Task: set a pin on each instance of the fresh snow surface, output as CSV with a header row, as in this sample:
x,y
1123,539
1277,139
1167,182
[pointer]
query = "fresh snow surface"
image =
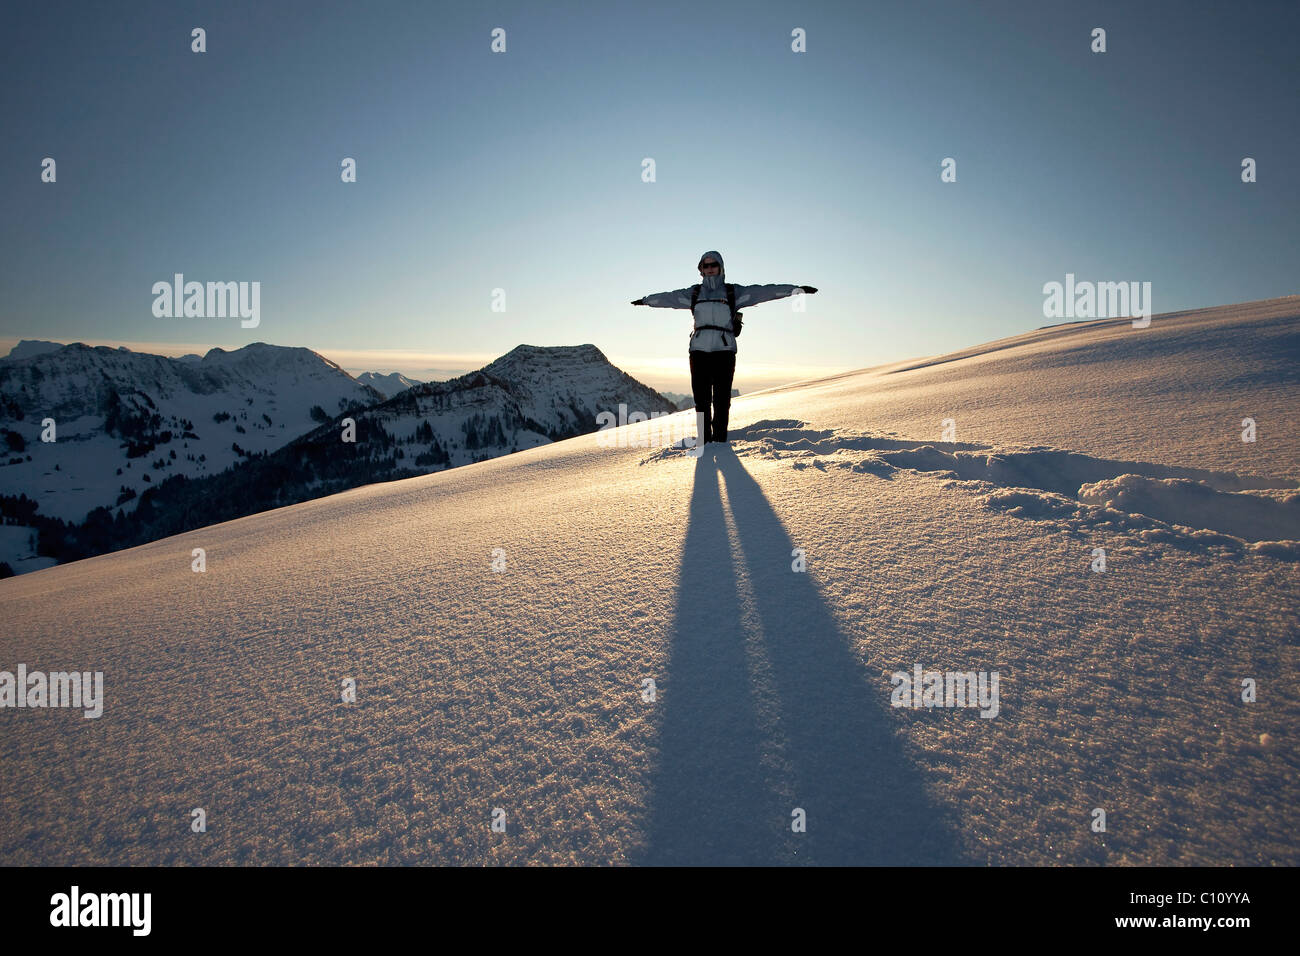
x,y
521,688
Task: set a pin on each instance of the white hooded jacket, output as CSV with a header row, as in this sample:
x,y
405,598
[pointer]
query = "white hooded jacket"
x,y
711,309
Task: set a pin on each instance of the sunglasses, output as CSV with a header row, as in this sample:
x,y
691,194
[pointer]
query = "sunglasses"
x,y
706,265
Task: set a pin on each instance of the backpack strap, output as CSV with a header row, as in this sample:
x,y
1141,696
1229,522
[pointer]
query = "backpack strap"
x,y
731,304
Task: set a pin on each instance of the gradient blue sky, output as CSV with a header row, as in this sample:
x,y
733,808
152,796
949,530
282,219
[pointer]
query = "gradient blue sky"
x,y
522,171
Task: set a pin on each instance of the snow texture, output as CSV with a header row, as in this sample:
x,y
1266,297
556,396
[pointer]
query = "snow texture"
x,y
520,688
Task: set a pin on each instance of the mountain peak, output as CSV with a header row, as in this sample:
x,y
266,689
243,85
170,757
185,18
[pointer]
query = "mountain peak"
x,y
26,348
551,354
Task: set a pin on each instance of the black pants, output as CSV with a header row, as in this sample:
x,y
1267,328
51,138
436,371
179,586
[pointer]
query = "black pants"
x,y
711,375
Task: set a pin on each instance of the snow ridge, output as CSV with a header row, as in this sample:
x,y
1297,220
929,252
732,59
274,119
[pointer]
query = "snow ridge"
x,y
1191,508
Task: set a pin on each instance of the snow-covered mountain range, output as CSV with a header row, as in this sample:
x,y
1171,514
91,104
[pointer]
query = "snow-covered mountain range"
x,y
530,396
147,445
387,385
123,420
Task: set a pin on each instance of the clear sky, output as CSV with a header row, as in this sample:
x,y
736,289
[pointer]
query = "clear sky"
x,y
522,171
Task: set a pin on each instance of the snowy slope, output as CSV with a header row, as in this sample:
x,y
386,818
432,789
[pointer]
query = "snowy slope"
x,y
520,688
18,549
258,397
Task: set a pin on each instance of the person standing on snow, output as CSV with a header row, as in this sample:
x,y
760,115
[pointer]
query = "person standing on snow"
x,y
713,341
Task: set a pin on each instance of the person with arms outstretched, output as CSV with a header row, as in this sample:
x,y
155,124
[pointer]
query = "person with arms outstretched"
x,y
712,351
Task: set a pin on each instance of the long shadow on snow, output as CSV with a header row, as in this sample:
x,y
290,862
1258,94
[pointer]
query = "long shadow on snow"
x,y
711,802
716,799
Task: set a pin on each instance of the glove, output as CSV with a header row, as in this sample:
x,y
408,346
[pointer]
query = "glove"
x,y
807,288
638,301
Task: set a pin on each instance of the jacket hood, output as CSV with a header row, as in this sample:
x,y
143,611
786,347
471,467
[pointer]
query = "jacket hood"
x,y
712,282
